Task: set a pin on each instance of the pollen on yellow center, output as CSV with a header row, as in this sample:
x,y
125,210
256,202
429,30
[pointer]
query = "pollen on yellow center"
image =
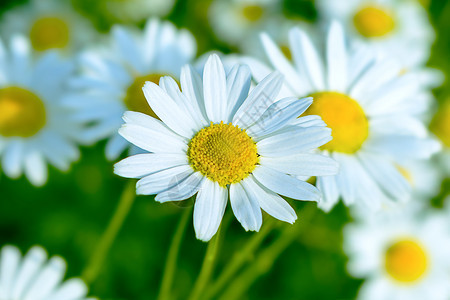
x,y
252,13
406,261
22,113
223,153
440,125
49,33
135,100
348,123
373,21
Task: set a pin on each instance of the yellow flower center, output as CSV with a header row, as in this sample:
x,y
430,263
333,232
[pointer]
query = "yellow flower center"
x,y
440,124
252,13
223,153
348,123
49,33
22,113
406,261
406,174
286,51
135,100
373,21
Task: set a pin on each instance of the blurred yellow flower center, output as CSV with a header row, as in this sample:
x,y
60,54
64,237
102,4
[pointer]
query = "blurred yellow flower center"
x,y
373,21
223,153
286,51
22,113
406,261
345,117
135,100
252,13
49,33
406,174
440,125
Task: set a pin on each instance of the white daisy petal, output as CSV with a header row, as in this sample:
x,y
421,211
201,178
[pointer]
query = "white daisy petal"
x,y
280,62
192,87
309,121
270,202
151,134
72,289
260,98
12,159
31,264
238,85
215,89
286,185
336,58
345,176
209,209
141,165
9,267
385,173
47,280
158,182
168,110
310,59
403,147
328,186
302,164
183,189
278,115
245,208
35,168
291,142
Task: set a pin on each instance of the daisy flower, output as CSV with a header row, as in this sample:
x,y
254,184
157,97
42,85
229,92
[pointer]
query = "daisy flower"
x,y
396,28
34,277
400,255
372,110
440,126
48,24
113,76
35,126
138,10
216,139
236,21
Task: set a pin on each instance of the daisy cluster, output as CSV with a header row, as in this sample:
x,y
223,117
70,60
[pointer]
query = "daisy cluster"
x,y
336,110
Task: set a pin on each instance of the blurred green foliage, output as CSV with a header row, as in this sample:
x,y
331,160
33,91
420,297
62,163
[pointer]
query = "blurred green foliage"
x,y
68,215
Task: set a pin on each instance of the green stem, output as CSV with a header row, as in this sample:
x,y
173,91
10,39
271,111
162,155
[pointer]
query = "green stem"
x,y
208,262
240,258
172,257
94,266
265,260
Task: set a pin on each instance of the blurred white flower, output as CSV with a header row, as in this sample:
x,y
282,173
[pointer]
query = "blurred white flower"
x,y
114,74
35,126
48,24
138,10
440,126
34,277
395,28
238,21
401,254
373,111
216,138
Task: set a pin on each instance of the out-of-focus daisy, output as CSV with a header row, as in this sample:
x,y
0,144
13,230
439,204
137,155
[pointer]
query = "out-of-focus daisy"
x,y
440,126
424,177
398,28
34,277
401,255
113,76
237,21
216,139
49,24
372,111
35,127
137,10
